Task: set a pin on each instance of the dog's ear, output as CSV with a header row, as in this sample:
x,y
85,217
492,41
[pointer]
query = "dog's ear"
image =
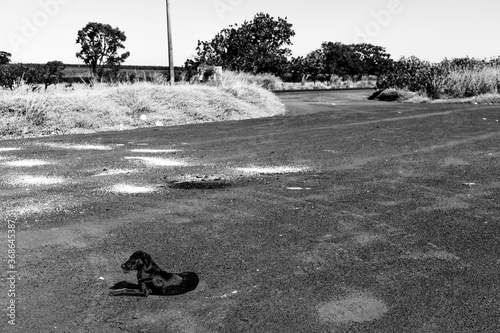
x,y
146,259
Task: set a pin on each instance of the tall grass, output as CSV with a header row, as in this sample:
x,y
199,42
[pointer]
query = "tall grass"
x,y
469,82
266,81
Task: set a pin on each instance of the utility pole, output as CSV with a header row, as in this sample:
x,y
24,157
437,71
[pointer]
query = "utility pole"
x,y
170,50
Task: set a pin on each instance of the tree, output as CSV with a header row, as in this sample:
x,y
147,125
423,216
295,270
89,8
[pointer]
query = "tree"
x,y
15,75
53,72
355,59
100,44
4,57
257,46
373,59
314,65
340,59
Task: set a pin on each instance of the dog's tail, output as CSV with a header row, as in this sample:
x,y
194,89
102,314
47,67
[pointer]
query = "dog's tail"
x,y
125,285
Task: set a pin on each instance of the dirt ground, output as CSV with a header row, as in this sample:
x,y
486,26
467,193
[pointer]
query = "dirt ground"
x,y
343,215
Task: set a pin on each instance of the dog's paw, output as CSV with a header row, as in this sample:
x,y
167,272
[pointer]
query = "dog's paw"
x,y
115,292
123,285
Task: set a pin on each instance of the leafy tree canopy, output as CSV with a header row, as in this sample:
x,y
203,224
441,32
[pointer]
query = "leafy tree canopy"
x,y
338,59
100,44
4,57
258,46
355,59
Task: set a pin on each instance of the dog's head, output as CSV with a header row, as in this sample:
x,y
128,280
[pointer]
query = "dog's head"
x,y
137,261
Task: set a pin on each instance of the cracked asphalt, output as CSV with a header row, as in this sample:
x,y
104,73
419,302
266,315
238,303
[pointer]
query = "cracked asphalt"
x,y
342,215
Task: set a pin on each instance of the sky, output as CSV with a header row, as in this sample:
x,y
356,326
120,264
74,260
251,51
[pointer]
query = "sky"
x,y
38,31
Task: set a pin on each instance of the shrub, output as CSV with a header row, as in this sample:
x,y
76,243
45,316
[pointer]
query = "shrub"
x,y
457,78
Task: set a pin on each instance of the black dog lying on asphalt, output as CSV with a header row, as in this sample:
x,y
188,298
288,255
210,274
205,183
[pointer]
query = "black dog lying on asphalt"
x,y
151,279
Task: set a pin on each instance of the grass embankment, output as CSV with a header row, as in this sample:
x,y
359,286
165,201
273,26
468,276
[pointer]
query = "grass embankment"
x,y
476,85
24,113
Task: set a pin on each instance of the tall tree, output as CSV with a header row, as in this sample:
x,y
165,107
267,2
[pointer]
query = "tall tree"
x,y
100,44
339,59
258,46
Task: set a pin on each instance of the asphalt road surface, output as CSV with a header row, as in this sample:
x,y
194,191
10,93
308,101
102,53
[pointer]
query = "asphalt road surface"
x,y
343,215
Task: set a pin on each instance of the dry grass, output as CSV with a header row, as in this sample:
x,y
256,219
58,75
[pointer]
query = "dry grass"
x,y
405,96
126,106
463,83
337,83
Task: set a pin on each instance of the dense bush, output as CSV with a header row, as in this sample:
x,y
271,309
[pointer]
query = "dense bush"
x,y
15,75
455,78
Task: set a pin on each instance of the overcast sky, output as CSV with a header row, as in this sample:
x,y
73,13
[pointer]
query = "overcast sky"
x,y
38,31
